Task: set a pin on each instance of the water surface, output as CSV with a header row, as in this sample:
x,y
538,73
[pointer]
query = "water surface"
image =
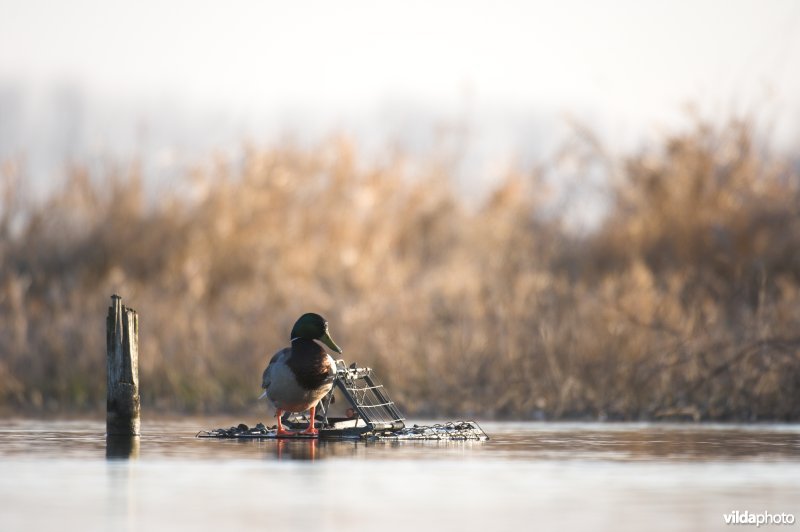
x,y
531,476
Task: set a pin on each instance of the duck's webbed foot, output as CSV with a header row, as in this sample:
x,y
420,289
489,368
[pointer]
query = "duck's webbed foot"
x,y
311,430
282,431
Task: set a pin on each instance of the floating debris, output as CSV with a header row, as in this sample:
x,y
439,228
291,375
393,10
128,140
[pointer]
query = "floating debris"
x,y
453,430
240,431
358,408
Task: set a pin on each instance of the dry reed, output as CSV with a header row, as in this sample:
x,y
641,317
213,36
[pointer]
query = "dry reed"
x,y
683,304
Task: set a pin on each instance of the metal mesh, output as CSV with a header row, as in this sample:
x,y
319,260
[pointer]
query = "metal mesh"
x,y
454,430
368,397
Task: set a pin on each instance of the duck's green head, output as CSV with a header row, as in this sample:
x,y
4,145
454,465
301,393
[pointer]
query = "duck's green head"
x,y
314,327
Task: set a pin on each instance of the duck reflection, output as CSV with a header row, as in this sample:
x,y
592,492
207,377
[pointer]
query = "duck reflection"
x,y
296,450
308,450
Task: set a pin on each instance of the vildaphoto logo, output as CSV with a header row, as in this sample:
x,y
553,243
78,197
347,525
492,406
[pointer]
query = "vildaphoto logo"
x,y
764,518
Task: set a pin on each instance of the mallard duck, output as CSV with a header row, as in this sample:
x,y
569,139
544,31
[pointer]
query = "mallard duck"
x,y
297,377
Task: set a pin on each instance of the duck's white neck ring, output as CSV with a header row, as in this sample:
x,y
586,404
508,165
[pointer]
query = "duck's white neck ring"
x,y
293,339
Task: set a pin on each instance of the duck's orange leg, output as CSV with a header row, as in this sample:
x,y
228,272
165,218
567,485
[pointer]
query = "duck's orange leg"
x,y
282,431
311,431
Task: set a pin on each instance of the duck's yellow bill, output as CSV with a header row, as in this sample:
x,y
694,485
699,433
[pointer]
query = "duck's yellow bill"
x,y
327,340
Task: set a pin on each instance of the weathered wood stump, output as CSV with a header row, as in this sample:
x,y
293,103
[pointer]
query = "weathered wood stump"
x,y
122,351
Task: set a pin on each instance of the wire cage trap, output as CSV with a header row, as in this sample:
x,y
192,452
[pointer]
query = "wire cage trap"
x,y
358,407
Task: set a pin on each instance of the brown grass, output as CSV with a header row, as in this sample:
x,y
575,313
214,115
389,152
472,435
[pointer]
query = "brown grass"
x,y
683,303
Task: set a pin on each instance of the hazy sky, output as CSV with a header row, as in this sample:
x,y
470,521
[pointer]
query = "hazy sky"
x,y
629,55
628,65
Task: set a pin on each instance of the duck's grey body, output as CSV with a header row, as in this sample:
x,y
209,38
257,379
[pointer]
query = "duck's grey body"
x,y
294,382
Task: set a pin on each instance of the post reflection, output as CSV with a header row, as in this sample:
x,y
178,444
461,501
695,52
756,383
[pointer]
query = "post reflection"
x,y
122,447
121,453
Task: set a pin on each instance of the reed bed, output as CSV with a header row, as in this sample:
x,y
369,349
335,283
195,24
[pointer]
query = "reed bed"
x,y
683,303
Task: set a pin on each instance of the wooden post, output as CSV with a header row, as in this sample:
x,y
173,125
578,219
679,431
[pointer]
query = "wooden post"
x,y
122,351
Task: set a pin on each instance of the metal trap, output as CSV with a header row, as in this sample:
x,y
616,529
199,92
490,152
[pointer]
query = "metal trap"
x,y
358,407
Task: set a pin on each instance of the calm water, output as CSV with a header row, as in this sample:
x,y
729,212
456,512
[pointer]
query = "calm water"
x,y
529,476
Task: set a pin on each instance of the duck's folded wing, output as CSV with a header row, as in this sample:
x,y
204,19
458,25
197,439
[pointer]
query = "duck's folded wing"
x,y
277,358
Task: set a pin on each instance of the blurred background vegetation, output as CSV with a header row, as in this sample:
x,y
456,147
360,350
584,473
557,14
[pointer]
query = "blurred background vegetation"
x,y
682,302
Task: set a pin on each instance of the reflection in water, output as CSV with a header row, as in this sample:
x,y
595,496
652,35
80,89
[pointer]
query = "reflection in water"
x,y
546,442
121,501
510,441
287,449
295,450
120,505
545,476
650,442
122,447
